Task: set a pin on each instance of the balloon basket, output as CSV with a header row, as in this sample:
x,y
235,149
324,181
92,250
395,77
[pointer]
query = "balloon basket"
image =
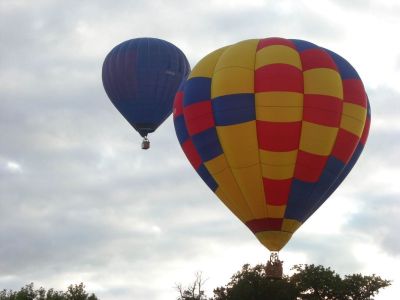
x,y
274,267
145,143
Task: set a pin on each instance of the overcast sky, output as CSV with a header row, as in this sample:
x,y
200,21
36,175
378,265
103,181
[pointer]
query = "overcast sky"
x,y
79,199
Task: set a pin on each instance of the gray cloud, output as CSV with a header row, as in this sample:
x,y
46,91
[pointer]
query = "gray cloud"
x,y
78,196
372,183
328,249
370,8
379,220
384,102
354,5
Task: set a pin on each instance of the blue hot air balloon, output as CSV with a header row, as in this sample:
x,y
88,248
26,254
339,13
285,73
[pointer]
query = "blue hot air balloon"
x,y
141,77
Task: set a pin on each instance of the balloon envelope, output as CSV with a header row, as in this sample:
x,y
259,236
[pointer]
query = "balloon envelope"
x,y
141,77
272,126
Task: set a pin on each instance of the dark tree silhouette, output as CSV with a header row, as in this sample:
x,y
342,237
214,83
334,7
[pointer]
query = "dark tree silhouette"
x,y
193,291
318,282
309,282
252,283
28,292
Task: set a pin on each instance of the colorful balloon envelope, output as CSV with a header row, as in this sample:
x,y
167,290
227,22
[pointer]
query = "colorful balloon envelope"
x,y
272,126
141,77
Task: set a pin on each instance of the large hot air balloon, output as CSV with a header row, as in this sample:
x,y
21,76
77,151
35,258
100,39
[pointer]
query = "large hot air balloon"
x,y
272,126
141,77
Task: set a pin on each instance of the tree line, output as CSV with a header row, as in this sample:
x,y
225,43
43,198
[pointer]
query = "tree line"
x,y
309,282
29,292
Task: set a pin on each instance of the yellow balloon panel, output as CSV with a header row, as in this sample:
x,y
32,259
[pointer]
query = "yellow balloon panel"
x,y
235,207
354,111
279,106
276,211
279,114
249,180
274,240
323,81
233,80
352,125
278,172
317,139
230,191
205,68
277,54
217,164
234,196
279,99
290,225
275,158
240,144
240,55
278,165
353,118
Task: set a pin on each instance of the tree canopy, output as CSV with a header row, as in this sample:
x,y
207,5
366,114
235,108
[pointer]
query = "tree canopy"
x,y
309,282
28,292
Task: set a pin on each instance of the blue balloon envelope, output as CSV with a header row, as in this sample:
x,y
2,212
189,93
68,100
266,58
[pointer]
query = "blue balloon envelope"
x,y
141,77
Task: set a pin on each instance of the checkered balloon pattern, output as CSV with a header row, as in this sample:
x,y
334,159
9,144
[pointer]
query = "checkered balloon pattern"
x,y
272,126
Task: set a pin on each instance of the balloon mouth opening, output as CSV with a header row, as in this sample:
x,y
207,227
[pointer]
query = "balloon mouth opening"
x,y
144,129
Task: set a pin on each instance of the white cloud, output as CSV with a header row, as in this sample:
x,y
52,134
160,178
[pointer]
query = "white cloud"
x,y
14,167
80,199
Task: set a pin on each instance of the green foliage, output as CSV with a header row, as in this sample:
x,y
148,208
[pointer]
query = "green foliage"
x,y
253,284
360,287
309,282
28,292
318,282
